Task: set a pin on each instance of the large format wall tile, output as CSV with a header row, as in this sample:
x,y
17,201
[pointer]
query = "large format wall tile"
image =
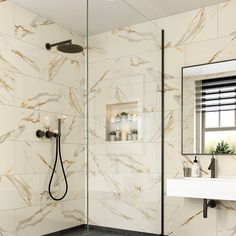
x,y
56,68
181,221
18,56
97,47
38,220
37,94
34,29
7,17
132,40
8,223
191,26
7,87
7,157
226,20
73,213
124,214
225,222
211,51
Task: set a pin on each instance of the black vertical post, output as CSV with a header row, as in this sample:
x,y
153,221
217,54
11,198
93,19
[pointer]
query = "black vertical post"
x,y
87,113
162,131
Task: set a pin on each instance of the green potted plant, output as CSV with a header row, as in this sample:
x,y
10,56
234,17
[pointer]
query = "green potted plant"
x,y
112,135
135,134
222,148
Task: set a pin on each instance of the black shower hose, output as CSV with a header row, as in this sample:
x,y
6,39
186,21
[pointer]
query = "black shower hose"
x,y
58,151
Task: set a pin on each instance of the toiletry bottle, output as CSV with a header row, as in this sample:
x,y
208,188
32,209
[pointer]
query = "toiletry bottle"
x,y
195,168
118,134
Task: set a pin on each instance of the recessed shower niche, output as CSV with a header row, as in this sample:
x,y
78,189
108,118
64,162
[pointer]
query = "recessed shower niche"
x,y
123,122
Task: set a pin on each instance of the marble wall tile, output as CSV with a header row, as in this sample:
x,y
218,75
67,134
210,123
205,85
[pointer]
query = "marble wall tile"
x,y
18,56
73,130
8,223
97,129
181,220
7,87
97,47
124,148
191,26
148,162
107,69
172,126
210,51
172,94
225,222
147,64
37,94
72,101
19,191
132,39
175,58
226,20
38,220
151,127
56,68
7,157
71,216
34,157
140,216
151,96
35,29
8,124
7,17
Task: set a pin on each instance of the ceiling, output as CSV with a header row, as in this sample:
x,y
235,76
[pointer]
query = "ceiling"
x,y
105,15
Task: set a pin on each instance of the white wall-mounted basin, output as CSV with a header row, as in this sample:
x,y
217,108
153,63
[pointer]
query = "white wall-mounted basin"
x,y
204,188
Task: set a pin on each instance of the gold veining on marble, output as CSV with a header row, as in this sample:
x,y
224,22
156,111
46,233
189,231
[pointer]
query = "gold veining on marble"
x,y
36,217
22,187
38,21
12,133
74,101
196,26
19,29
55,65
74,214
131,35
26,59
40,99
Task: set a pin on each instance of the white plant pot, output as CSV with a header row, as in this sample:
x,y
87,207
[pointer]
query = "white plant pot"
x,y
112,138
117,118
124,118
135,137
130,137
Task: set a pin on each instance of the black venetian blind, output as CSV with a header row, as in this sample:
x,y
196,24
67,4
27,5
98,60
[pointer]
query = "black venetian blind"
x,y
216,94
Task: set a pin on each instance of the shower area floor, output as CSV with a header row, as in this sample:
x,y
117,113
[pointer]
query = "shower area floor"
x,y
92,232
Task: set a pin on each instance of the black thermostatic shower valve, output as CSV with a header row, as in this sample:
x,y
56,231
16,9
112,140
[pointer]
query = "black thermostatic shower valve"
x,y
40,133
48,134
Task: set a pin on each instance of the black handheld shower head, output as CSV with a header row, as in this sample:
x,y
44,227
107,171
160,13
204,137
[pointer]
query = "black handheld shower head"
x,y
66,47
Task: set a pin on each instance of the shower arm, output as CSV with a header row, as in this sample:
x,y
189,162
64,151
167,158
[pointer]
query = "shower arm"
x,y
49,46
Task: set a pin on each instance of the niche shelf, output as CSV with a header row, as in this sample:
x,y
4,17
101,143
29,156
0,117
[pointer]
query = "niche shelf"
x,y
122,122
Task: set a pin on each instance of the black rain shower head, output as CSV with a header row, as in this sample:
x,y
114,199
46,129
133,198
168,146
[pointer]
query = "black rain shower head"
x,y
66,47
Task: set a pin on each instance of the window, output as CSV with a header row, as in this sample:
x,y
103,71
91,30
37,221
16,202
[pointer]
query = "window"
x,y
216,102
